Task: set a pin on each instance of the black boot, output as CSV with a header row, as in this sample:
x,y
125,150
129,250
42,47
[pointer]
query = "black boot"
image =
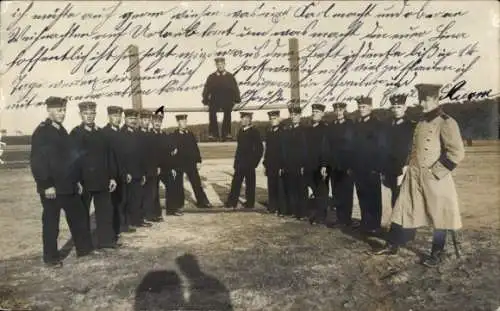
x,y
436,257
388,249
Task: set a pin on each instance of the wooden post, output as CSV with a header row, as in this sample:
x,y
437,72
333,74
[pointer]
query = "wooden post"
x,y
293,50
135,75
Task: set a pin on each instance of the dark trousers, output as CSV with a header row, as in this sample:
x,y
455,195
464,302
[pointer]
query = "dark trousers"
x,y
118,200
195,180
247,174
213,126
103,207
319,187
151,201
174,191
342,190
369,191
75,217
391,182
399,236
134,203
296,193
275,192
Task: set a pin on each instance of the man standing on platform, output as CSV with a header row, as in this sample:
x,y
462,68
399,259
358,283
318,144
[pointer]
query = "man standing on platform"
x,y
295,158
134,168
113,137
220,93
428,195
54,165
340,150
368,163
96,164
316,170
188,161
249,151
273,164
399,135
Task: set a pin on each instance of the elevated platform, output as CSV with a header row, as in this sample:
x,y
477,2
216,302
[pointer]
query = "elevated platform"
x,y
239,107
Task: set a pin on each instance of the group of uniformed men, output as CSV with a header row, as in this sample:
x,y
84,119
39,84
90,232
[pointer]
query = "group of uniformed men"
x,y
120,170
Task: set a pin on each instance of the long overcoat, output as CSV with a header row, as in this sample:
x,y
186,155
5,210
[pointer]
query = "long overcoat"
x,y
428,196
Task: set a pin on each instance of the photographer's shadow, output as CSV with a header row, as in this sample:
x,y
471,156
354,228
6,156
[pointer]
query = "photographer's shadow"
x,y
163,290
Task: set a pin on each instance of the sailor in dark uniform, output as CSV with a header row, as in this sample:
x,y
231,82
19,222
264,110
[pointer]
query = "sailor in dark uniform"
x,y
368,165
399,135
55,167
248,154
157,139
97,165
188,161
273,164
149,150
134,168
316,170
220,93
295,157
340,146
113,136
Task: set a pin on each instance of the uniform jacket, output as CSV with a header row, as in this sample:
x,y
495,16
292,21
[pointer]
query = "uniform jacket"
x,y
369,145
295,152
149,149
131,153
166,145
221,90
249,149
317,139
428,196
340,144
188,153
97,162
54,159
273,156
113,136
399,134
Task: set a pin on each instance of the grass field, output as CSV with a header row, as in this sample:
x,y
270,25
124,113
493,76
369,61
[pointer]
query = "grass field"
x,y
252,260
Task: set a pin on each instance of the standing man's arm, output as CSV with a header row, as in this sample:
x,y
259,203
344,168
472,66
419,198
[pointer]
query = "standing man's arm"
x,y
39,160
196,148
452,148
206,96
259,148
236,90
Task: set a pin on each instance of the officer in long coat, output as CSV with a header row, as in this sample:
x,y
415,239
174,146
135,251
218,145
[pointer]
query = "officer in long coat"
x,y
220,93
113,136
248,154
368,165
54,165
188,161
340,151
399,134
316,170
295,158
428,196
134,168
97,169
273,164
157,139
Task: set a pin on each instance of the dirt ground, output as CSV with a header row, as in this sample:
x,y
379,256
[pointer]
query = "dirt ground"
x,y
242,260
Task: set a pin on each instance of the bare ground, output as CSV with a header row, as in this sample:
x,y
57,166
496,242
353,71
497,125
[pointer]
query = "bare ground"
x,y
258,261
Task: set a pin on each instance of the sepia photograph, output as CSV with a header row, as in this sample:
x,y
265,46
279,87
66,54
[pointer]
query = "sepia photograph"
x,y
250,155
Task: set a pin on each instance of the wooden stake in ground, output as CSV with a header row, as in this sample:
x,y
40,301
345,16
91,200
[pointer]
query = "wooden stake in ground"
x,y
293,51
135,76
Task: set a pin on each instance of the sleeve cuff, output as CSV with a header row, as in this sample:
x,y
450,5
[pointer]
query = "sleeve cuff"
x,y
45,184
447,163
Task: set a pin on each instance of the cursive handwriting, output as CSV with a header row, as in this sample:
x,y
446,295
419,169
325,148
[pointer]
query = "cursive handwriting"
x,y
376,48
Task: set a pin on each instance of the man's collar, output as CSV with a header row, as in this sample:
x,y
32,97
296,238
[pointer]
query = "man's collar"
x,y
247,127
219,73
182,131
340,121
130,129
366,118
398,121
114,128
89,128
431,115
295,125
54,124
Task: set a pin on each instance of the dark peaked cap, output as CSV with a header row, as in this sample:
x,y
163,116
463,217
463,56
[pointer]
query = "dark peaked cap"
x,y
114,109
219,59
246,114
131,113
55,102
318,107
86,106
274,113
295,109
145,113
426,90
398,99
339,105
181,117
364,100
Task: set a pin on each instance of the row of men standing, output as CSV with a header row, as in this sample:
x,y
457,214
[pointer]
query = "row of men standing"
x,y
118,168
